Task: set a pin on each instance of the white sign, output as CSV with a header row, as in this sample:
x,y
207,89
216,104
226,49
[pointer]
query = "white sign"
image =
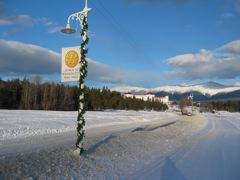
x,y
70,64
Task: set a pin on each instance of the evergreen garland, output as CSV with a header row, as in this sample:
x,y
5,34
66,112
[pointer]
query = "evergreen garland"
x,y
82,89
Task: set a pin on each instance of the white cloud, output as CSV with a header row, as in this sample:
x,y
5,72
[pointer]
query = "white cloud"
x,y
18,19
20,58
103,73
230,48
189,60
55,29
45,21
51,26
221,63
228,15
11,32
26,20
26,59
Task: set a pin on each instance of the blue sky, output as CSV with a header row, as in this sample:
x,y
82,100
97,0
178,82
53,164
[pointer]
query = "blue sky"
x,y
144,43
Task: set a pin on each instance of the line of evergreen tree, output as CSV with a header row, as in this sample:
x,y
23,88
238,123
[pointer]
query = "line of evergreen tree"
x,y
230,105
34,95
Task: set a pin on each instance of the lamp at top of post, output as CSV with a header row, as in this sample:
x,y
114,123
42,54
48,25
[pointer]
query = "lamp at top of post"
x,y
78,16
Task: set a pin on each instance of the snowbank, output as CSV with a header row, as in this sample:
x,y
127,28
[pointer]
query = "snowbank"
x,y
21,124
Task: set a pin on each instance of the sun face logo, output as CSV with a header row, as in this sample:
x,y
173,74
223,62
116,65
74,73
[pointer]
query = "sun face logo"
x,y
71,59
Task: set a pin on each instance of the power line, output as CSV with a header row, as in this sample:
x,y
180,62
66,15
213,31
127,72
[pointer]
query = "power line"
x,y
114,23
122,29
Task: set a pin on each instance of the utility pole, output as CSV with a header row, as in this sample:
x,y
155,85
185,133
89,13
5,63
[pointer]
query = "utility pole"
x,y
191,96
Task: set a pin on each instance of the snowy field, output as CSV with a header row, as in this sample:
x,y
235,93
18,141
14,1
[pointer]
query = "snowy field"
x,y
21,124
120,145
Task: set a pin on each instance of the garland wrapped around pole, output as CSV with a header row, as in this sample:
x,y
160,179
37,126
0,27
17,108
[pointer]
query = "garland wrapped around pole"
x,y
82,18
82,89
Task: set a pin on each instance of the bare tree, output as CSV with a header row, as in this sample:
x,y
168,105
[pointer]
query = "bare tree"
x,y
185,102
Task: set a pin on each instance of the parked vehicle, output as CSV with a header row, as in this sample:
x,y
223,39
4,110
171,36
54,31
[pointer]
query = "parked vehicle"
x,y
185,112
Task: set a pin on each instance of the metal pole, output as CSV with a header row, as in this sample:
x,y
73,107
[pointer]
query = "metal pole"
x,y
82,18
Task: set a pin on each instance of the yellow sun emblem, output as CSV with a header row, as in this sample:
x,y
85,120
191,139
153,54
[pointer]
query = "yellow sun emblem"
x,y
71,59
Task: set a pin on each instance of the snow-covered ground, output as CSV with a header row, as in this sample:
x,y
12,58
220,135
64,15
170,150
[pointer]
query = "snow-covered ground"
x,y
213,153
21,124
204,146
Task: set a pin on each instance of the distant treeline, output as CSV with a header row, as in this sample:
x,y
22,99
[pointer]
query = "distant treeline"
x,y
231,106
34,95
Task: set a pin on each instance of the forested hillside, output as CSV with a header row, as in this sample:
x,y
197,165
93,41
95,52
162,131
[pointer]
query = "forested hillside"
x,y
34,95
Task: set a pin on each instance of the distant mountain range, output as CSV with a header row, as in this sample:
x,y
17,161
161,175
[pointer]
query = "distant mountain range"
x,y
201,92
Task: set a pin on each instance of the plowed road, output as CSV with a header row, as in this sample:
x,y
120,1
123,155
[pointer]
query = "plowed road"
x,y
212,154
